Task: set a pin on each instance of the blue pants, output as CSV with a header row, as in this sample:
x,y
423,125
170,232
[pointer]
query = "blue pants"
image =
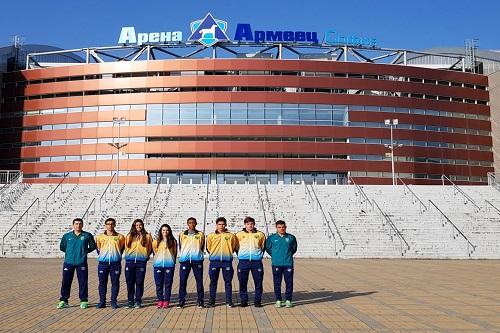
x,y
135,274
227,275
278,273
244,269
184,270
113,270
164,276
82,273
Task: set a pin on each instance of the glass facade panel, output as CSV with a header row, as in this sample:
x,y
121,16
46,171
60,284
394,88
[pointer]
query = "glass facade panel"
x,y
171,114
255,114
154,115
204,114
187,114
222,113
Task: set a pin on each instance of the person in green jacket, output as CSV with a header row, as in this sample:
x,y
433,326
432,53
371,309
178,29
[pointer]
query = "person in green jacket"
x,y
281,246
76,245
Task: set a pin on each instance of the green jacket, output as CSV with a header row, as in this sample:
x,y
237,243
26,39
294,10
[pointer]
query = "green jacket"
x,y
76,248
281,249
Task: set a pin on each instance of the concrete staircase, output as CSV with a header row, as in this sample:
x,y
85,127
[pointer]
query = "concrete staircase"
x,y
329,221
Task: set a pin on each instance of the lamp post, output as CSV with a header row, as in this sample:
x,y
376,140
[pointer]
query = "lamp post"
x,y
392,123
117,145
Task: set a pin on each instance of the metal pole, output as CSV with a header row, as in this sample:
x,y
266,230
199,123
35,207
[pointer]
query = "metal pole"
x,y
392,157
118,153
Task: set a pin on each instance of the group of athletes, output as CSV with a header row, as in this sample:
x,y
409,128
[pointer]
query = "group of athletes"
x,y
249,244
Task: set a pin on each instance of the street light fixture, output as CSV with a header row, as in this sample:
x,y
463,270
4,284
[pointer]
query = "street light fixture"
x,y
117,145
392,123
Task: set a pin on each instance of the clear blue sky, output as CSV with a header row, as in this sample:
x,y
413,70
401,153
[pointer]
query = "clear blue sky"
x,y
396,24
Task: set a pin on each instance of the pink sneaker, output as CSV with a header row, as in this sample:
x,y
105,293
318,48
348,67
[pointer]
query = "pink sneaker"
x,y
160,304
166,304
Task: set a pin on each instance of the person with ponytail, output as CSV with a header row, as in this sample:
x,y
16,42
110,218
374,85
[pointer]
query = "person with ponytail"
x,y
165,255
138,248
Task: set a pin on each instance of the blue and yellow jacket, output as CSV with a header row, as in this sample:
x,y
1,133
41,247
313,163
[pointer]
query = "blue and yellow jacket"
x,y
164,256
281,249
251,244
221,246
110,248
137,252
191,246
76,248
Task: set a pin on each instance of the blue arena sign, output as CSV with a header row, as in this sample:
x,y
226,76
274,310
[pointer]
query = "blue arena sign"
x,y
244,33
332,37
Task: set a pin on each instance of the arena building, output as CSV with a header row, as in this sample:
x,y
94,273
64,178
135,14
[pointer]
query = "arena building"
x,y
265,106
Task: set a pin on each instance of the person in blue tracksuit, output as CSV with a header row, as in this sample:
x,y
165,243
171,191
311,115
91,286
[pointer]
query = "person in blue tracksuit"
x,y
281,246
110,246
76,245
165,256
251,249
191,245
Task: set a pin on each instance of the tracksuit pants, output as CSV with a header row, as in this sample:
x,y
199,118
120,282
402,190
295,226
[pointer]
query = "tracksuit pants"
x,y
164,276
112,270
135,272
82,273
227,275
244,269
184,270
278,273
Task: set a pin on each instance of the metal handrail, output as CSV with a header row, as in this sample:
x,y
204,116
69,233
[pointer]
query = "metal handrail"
x,y
55,189
269,203
458,189
88,209
156,192
414,195
456,228
361,192
338,231
263,209
105,190
492,180
495,208
37,201
393,227
328,221
11,181
146,211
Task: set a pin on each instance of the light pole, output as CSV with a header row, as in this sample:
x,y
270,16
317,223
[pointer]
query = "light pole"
x,y
392,123
117,145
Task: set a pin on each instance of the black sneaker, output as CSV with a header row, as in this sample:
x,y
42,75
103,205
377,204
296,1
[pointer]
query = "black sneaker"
x,y
211,303
200,305
230,304
138,305
130,305
257,304
244,304
114,305
100,305
181,305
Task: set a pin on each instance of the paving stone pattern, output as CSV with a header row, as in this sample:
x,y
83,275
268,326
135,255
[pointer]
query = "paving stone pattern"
x,y
330,296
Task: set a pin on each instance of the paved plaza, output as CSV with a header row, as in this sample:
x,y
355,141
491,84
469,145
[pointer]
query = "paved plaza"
x,y
330,296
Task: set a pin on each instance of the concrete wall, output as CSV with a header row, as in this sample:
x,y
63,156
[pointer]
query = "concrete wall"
x,y
494,86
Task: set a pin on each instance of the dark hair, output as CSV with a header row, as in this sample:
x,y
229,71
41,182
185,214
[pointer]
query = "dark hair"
x,y
170,237
223,219
134,235
249,219
191,218
280,222
77,220
114,222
